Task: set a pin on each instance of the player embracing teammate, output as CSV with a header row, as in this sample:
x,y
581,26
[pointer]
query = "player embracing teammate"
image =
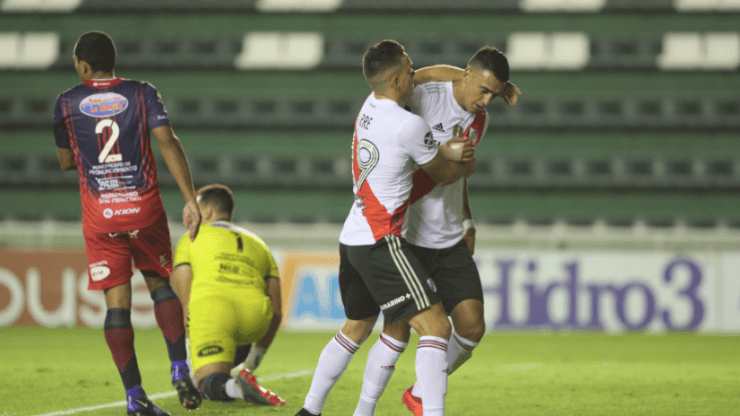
x,y
102,129
440,230
435,216
377,270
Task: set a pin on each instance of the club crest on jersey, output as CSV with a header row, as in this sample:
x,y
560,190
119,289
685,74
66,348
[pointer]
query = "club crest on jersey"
x,y
104,104
473,134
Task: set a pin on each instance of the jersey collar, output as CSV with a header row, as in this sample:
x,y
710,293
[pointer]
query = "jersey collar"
x,y
102,83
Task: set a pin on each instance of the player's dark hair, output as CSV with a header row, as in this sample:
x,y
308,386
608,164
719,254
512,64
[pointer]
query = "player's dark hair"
x,y
219,197
97,49
386,55
493,60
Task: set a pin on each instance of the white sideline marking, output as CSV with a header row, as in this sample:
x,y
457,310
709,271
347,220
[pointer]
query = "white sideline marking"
x,y
166,394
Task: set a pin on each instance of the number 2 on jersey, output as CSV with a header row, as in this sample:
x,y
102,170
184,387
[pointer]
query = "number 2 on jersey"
x,y
105,156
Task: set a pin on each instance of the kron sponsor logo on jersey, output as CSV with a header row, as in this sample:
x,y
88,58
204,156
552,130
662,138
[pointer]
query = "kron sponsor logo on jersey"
x,y
104,104
109,213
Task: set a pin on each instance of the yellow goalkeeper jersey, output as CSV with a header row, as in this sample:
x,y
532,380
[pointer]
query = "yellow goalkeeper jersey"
x,y
225,257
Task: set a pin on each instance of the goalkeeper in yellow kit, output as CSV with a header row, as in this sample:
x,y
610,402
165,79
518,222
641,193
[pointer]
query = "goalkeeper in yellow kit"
x,y
229,280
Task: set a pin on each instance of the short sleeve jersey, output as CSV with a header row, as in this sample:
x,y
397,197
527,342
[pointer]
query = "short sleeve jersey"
x,y
225,256
106,123
389,142
435,213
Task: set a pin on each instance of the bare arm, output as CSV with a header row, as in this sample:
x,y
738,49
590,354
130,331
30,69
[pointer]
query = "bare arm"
x,y
180,281
437,73
445,168
174,157
66,158
273,292
467,214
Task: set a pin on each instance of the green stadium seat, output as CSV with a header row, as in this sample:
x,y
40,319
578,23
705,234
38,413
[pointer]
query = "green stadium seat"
x,y
430,5
168,5
630,53
637,6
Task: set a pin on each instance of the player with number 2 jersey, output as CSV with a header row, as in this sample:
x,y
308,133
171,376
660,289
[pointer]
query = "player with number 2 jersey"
x,y
106,123
102,129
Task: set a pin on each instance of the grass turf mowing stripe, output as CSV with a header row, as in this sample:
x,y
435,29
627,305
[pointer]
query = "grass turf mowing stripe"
x,y
166,394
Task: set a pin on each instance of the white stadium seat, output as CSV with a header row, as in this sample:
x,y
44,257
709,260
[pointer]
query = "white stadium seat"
x,y
281,50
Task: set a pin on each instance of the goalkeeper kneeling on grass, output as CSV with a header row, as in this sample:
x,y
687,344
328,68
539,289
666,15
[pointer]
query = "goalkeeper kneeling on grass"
x,y
229,281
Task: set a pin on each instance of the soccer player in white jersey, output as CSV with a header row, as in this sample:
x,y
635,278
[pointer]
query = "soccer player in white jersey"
x,y
377,270
440,228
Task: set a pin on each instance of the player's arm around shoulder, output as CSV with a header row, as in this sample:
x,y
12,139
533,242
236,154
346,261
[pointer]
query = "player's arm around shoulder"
x,y
437,73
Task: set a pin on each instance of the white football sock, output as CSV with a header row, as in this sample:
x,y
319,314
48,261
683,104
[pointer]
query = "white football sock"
x,y
381,363
431,374
233,390
459,350
333,361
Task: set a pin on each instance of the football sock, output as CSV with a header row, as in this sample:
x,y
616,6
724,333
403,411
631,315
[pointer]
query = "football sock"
x,y
242,351
333,361
120,338
381,362
213,387
431,374
459,350
233,390
168,312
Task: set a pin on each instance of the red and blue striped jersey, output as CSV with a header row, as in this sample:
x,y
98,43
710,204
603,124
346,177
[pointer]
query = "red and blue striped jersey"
x,y
106,123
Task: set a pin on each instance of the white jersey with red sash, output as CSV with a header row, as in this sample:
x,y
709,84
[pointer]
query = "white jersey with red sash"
x,y
388,144
435,212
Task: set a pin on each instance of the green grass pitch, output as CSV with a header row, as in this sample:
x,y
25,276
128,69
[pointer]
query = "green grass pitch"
x,y
53,370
